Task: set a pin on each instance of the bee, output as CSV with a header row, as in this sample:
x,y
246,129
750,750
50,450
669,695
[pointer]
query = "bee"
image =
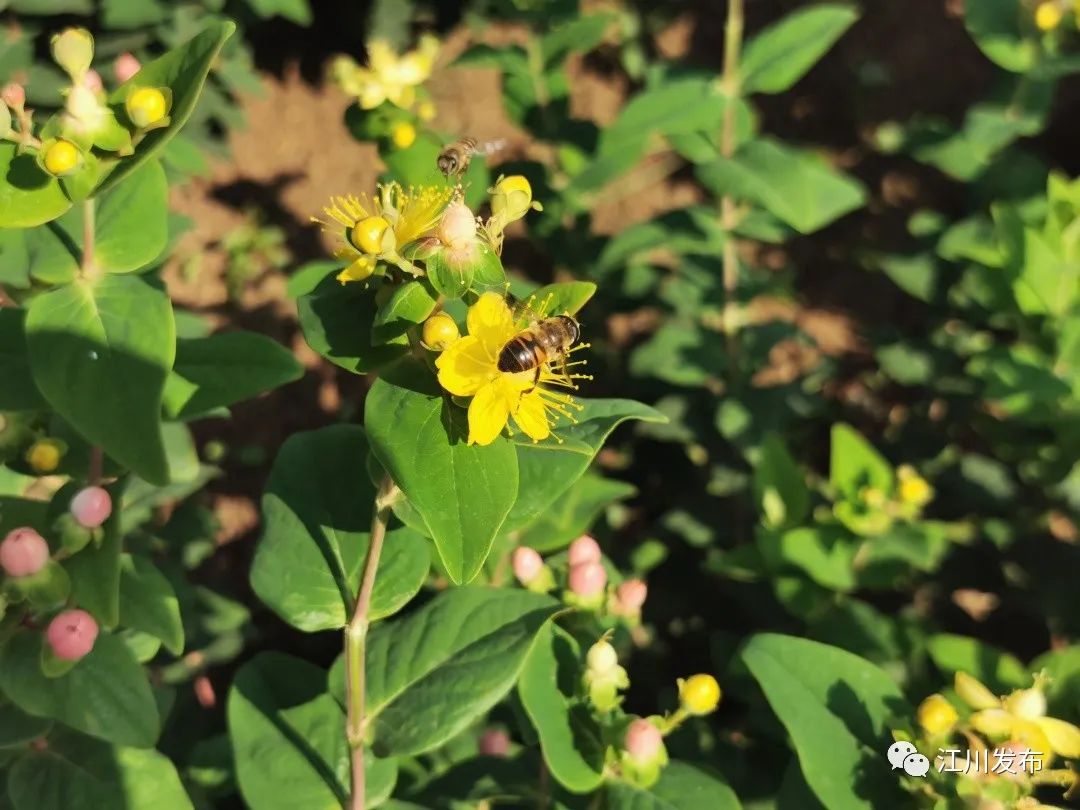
x,y
547,340
453,160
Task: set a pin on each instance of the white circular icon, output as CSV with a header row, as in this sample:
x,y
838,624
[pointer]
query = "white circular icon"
x,y
916,765
898,751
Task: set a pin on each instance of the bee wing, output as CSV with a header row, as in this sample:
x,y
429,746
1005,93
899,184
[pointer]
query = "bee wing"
x,y
489,148
526,311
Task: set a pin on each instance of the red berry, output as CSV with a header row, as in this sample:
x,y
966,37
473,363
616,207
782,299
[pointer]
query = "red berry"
x,y
72,634
91,507
583,550
23,552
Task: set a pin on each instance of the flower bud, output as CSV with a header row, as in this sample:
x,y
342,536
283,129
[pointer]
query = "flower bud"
x,y
125,67
527,562
44,455
91,507
587,579
147,106
630,596
511,198
973,693
699,694
403,135
494,742
603,676
601,658
367,234
72,634
1048,15
23,552
62,158
73,49
1027,703
583,550
14,95
457,229
440,330
92,81
936,715
643,741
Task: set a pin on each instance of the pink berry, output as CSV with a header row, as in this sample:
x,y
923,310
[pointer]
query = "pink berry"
x,y
72,634
584,550
527,564
494,742
643,740
631,595
588,578
91,507
23,552
125,67
92,81
14,95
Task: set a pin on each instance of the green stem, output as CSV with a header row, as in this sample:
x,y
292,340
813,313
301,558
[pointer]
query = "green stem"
x,y
729,210
356,639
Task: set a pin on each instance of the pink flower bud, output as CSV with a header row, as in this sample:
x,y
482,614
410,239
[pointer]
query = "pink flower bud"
x,y
527,564
204,692
631,595
72,634
584,550
457,229
125,67
91,507
92,81
23,552
643,741
494,742
588,578
14,95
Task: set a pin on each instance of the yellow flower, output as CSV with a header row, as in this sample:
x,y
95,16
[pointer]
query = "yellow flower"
x,y
44,455
699,694
388,76
1048,15
469,368
403,135
936,715
913,490
378,229
1019,716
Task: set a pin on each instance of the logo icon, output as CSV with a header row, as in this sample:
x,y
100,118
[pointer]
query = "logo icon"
x,y
903,755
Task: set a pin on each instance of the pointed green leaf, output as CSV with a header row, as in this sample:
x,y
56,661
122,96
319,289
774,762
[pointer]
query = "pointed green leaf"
x,y
855,463
131,221
781,54
148,602
19,392
410,304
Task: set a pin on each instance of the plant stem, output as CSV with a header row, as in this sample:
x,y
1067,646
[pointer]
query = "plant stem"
x,y
356,639
96,463
729,211
88,267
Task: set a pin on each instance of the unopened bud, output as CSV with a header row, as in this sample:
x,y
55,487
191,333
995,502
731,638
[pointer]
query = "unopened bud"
x,y
1027,703
511,198
440,330
91,507
643,741
72,634
125,67
62,158
527,564
457,228
147,106
23,552
583,550
44,455
92,81
630,595
699,694
587,579
494,742
936,715
601,658
73,50
14,95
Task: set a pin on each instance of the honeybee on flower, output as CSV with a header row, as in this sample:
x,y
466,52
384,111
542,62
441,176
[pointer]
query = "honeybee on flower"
x,y
389,76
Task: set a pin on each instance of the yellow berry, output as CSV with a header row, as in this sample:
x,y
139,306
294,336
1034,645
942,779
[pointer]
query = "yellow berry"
x,y
62,158
44,456
1048,15
936,715
146,106
699,694
367,234
440,331
403,135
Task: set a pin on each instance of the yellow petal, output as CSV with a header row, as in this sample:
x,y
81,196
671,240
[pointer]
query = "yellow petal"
x,y
994,722
1064,737
488,412
491,321
381,56
359,270
973,693
464,367
1031,734
531,416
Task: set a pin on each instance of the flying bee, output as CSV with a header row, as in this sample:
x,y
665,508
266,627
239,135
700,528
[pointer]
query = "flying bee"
x,y
453,160
547,340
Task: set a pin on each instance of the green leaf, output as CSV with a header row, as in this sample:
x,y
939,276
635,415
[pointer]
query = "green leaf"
x,y
148,602
131,221
995,27
53,251
410,304
335,320
28,196
129,14
451,279
95,573
77,771
838,710
996,668
105,695
798,187
681,787
288,738
547,470
824,553
855,463
549,686
781,54
19,392
573,513
100,352
463,491
578,35
223,369
562,297
183,70
779,485
317,515
18,728
466,647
